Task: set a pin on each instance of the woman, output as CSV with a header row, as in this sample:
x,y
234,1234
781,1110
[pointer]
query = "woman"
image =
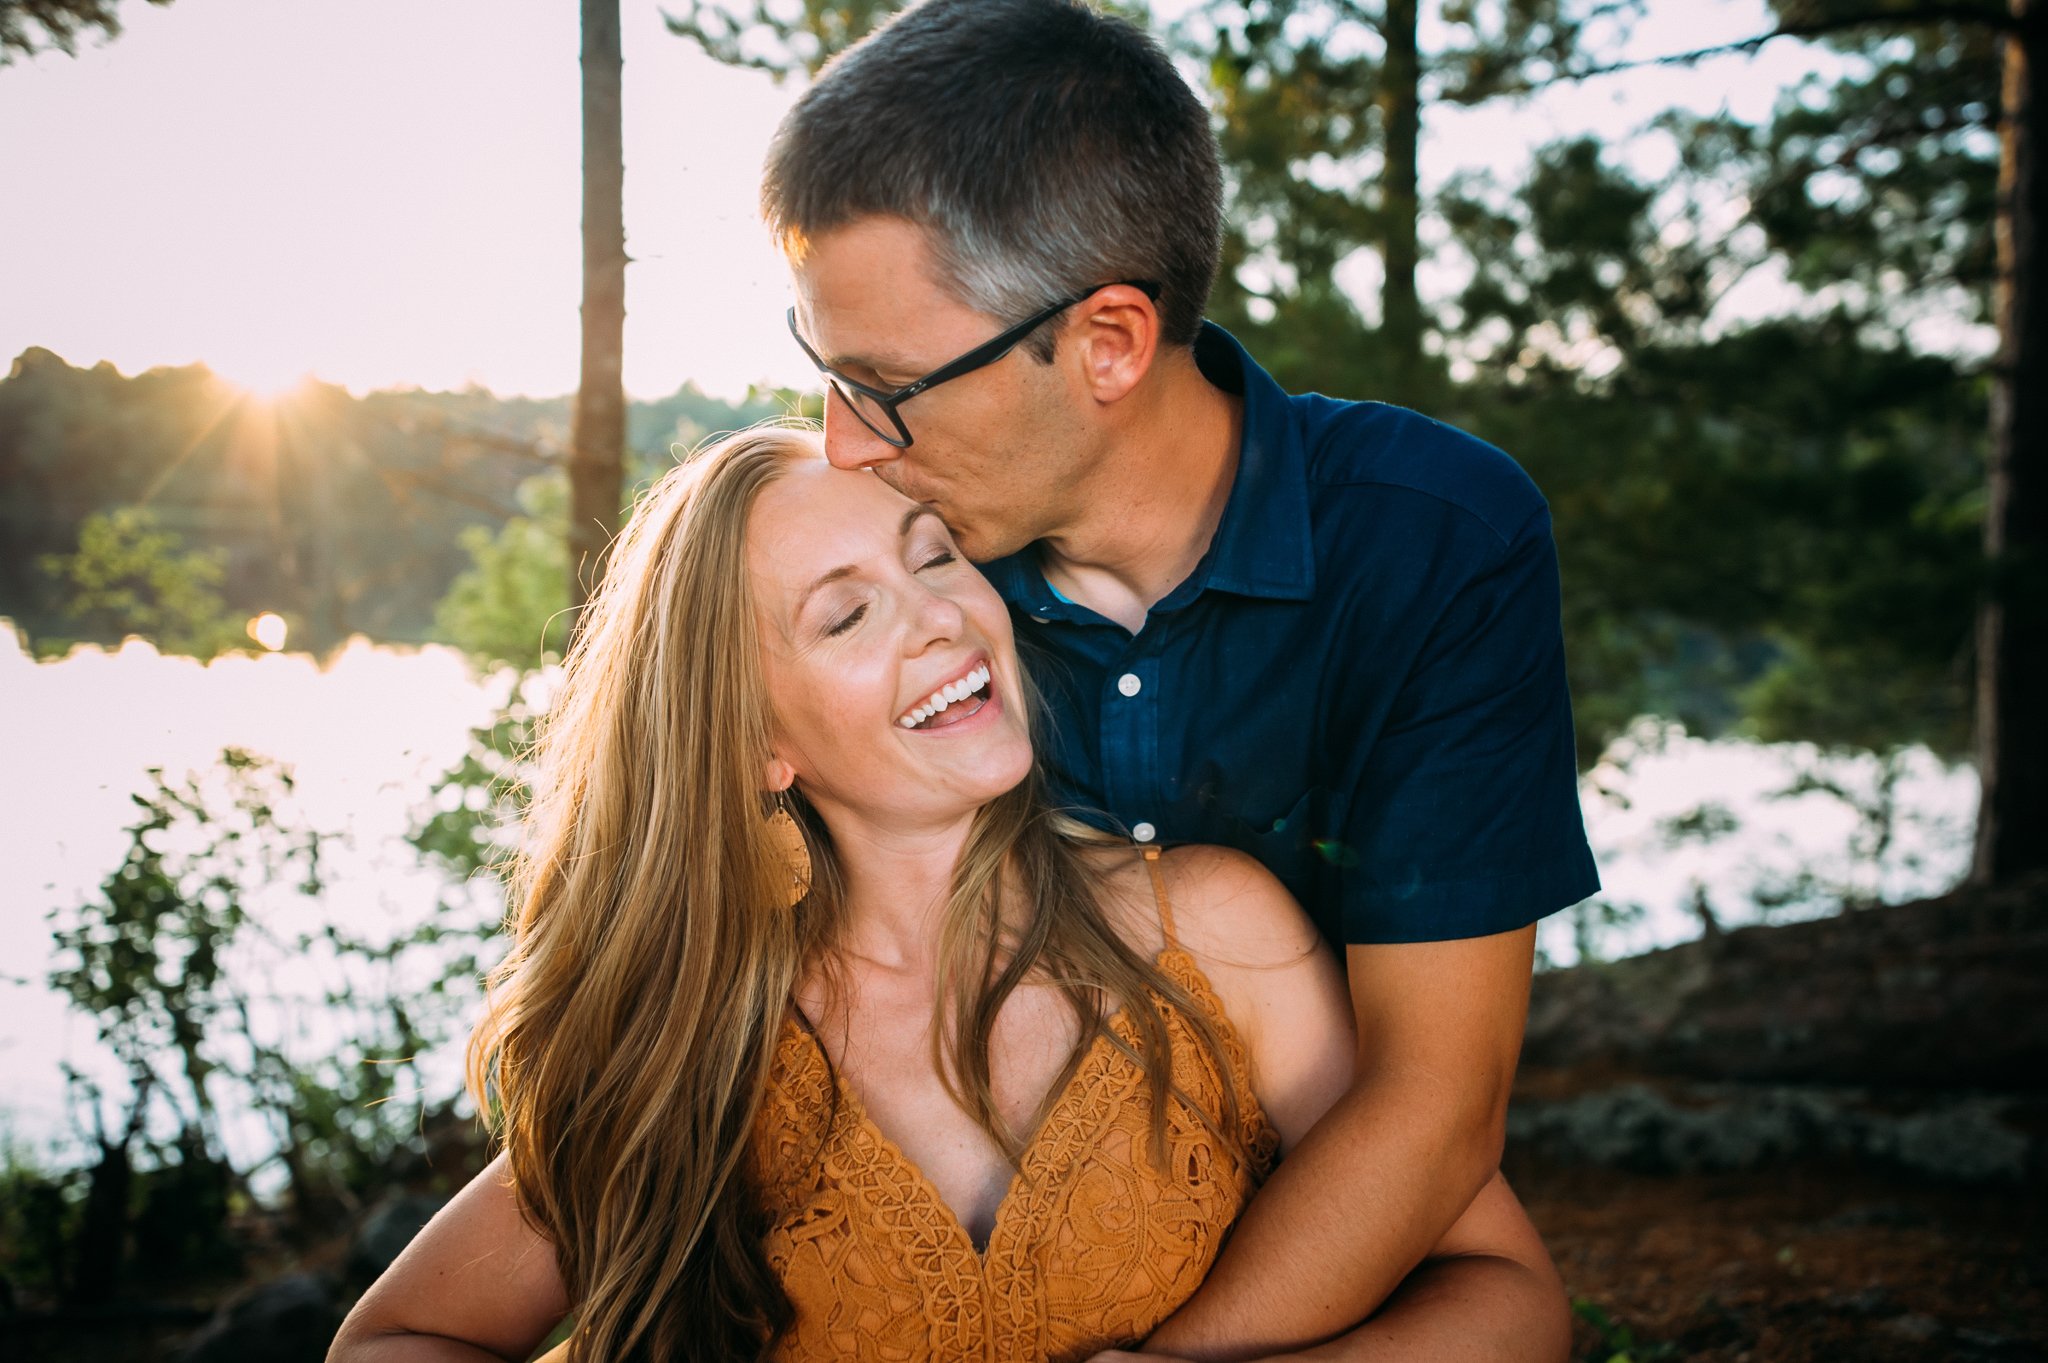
x,y
822,1032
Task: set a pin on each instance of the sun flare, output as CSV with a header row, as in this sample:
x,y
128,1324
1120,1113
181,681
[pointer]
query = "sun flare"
x,y
263,381
268,629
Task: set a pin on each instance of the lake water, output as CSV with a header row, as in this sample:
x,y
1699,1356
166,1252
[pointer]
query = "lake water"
x,y
367,733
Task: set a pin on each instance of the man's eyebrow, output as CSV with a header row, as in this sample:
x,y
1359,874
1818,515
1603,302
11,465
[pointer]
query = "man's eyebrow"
x,y
845,570
882,363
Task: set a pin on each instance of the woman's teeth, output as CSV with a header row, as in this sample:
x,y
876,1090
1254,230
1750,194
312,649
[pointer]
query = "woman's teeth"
x,y
950,694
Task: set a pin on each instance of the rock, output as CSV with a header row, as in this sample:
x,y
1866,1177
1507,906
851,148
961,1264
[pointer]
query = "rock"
x,y
386,1231
286,1320
1891,1215
1709,1128
1917,1328
1870,1302
1942,995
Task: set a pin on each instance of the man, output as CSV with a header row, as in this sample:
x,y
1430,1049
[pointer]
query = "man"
x,y
1323,632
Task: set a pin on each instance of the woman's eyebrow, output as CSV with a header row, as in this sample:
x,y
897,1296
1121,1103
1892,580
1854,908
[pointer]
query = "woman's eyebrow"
x,y
845,570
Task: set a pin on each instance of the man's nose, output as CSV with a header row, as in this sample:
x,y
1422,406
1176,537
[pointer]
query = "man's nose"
x,y
849,444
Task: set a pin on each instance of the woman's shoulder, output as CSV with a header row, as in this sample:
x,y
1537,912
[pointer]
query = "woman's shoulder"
x,y
1229,908
1278,982
1279,986
1223,904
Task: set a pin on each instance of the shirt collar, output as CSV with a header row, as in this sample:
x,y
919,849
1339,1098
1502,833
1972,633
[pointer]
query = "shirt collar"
x,y
1262,546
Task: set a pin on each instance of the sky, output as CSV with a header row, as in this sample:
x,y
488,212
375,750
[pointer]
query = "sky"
x,y
385,193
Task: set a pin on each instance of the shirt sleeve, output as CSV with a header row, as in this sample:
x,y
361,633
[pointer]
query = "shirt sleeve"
x,y
1464,819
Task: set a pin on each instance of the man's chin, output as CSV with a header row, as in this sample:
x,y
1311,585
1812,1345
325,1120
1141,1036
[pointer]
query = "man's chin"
x,y
978,544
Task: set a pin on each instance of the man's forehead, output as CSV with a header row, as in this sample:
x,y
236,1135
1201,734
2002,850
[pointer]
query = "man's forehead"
x,y
868,293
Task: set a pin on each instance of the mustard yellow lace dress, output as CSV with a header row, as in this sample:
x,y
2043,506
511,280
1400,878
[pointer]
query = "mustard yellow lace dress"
x,y
1091,1248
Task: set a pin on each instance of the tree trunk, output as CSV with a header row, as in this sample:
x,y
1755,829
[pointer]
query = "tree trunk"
x,y
103,1226
1401,109
2012,626
597,442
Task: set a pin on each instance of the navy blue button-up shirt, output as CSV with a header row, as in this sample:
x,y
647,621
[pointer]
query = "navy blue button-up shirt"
x,y
1361,683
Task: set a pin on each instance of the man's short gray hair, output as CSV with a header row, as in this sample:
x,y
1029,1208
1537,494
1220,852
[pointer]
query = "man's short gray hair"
x,y
1044,148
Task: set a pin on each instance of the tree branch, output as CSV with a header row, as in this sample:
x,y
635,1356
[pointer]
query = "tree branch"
x,y
1931,13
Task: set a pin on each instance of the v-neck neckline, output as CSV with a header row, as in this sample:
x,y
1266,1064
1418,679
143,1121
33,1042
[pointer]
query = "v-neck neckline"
x,y
920,1180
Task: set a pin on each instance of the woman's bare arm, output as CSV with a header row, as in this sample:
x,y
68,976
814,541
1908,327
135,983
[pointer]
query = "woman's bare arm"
x,y
477,1283
1487,1290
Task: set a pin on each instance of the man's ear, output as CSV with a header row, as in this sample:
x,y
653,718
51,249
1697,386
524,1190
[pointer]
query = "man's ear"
x,y
778,775
1116,336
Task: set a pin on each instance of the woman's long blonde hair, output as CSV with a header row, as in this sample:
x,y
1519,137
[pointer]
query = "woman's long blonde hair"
x,y
631,1029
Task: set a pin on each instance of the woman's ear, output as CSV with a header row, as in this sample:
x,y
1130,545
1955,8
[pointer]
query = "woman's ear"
x,y
778,775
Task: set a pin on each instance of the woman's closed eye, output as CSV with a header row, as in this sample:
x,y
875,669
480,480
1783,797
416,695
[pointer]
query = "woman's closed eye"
x,y
846,621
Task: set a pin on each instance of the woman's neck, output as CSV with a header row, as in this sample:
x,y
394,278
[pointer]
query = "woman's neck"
x,y
897,884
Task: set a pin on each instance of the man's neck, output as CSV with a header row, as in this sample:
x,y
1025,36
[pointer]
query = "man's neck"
x,y
1148,517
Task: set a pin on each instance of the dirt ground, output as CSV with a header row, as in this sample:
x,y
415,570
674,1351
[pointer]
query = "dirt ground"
x,y
1793,1265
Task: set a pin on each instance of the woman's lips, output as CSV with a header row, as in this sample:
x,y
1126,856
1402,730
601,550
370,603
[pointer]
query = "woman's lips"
x,y
971,682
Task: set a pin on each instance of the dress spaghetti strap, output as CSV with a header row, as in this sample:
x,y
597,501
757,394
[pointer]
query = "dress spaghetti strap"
x,y
1151,854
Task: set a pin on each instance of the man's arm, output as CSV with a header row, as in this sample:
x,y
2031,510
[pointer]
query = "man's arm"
x,y
1355,1207
1487,1293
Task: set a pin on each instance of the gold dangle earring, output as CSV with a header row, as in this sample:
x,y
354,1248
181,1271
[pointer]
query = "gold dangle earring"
x,y
795,852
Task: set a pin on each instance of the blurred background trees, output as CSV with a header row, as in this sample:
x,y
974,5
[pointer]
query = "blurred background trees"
x,y
30,26
1771,523
345,515
1755,381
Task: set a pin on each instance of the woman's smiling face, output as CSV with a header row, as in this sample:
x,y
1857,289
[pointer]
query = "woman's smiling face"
x,y
890,665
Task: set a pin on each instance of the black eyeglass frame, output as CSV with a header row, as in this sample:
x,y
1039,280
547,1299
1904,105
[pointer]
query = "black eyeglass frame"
x,y
983,355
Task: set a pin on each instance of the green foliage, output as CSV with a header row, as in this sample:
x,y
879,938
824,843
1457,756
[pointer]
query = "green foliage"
x,y
343,513
147,958
180,1209
774,38
1573,272
509,606
1772,527
130,575
1615,1342
1309,102
178,961
29,26
39,1212
479,802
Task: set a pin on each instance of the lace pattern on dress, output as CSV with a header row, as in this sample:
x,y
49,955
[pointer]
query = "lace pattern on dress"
x,y
1092,1246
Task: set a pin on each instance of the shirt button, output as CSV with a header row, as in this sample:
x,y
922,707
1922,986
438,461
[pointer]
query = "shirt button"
x,y
1128,683
1041,619
1144,832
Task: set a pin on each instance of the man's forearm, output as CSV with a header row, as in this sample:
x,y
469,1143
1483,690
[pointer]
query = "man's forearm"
x,y
1348,1214
1477,1309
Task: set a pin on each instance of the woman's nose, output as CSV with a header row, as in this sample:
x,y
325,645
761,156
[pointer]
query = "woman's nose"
x,y
938,619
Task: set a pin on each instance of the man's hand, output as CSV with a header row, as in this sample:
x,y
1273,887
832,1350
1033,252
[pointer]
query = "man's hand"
x,y
1382,1176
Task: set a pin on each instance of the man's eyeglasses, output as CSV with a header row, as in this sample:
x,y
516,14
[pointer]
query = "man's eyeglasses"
x,y
876,407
